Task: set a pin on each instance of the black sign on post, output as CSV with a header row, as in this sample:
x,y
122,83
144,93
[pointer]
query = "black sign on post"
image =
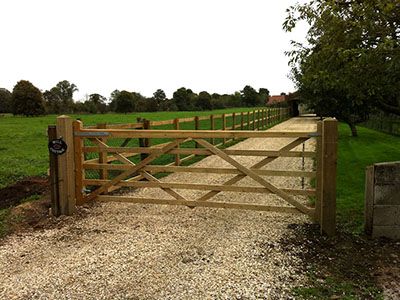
x,y
57,146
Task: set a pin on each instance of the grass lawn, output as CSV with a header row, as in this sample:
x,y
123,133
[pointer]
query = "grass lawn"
x,y
354,155
23,141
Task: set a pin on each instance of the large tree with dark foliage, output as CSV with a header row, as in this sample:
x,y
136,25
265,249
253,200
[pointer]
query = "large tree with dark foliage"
x,y
182,98
5,101
249,96
124,102
27,99
203,101
351,63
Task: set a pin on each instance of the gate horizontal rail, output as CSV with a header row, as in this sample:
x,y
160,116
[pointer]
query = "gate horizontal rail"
x,y
126,165
184,134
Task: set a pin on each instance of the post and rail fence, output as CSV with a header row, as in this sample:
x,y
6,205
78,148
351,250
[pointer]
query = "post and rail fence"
x,y
123,156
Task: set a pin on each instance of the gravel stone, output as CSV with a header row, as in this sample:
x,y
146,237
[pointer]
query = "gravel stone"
x,y
138,251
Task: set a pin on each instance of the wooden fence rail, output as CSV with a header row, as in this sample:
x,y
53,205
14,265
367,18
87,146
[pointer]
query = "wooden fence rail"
x,y
120,162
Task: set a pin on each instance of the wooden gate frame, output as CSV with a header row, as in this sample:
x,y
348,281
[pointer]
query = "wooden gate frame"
x,y
68,170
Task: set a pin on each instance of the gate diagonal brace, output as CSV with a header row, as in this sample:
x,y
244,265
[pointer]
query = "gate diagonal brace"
x,y
258,165
143,173
254,176
134,169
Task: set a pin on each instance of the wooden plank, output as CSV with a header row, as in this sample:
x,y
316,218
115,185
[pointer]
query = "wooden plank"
x,y
177,156
79,160
120,133
159,123
134,169
179,169
187,151
54,189
102,155
66,166
119,126
189,203
144,173
196,186
186,120
256,177
328,201
257,165
201,118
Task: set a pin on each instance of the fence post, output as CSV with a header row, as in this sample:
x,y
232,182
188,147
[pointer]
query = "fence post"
x,y
248,120
177,156
318,182
54,191
103,155
263,118
79,160
254,120
66,166
223,127
196,127
241,121
329,161
212,127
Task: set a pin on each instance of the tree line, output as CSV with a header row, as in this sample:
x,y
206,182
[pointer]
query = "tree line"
x,y
350,66
28,100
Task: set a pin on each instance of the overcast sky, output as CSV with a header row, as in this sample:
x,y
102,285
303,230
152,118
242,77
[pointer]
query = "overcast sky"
x,y
218,46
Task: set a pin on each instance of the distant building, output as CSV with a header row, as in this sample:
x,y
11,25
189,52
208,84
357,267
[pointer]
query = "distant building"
x,y
277,99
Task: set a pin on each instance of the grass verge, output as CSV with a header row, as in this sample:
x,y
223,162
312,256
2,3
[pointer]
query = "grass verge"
x,y
346,266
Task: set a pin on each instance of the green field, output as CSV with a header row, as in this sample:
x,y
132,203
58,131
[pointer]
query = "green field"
x,y
23,152
23,141
354,155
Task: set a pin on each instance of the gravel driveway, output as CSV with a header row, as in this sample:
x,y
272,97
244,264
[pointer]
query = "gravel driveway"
x,y
135,251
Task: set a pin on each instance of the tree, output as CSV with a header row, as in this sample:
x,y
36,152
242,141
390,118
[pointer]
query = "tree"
x,y
249,96
203,101
53,102
159,96
27,99
263,95
112,98
5,101
99,103
124,102
182,98
351,64
65,91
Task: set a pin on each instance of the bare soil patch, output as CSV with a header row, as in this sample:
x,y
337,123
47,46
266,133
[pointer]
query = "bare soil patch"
x,y
13,195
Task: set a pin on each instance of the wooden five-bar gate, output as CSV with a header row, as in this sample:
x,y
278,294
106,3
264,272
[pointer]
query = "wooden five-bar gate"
x,y
116,168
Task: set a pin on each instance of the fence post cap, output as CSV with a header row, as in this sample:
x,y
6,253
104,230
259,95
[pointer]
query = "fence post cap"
x,y
63,117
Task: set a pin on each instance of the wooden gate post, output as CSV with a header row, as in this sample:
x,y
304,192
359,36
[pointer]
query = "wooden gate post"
x,y
54,192
66,166
103,156
177,156
328,177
